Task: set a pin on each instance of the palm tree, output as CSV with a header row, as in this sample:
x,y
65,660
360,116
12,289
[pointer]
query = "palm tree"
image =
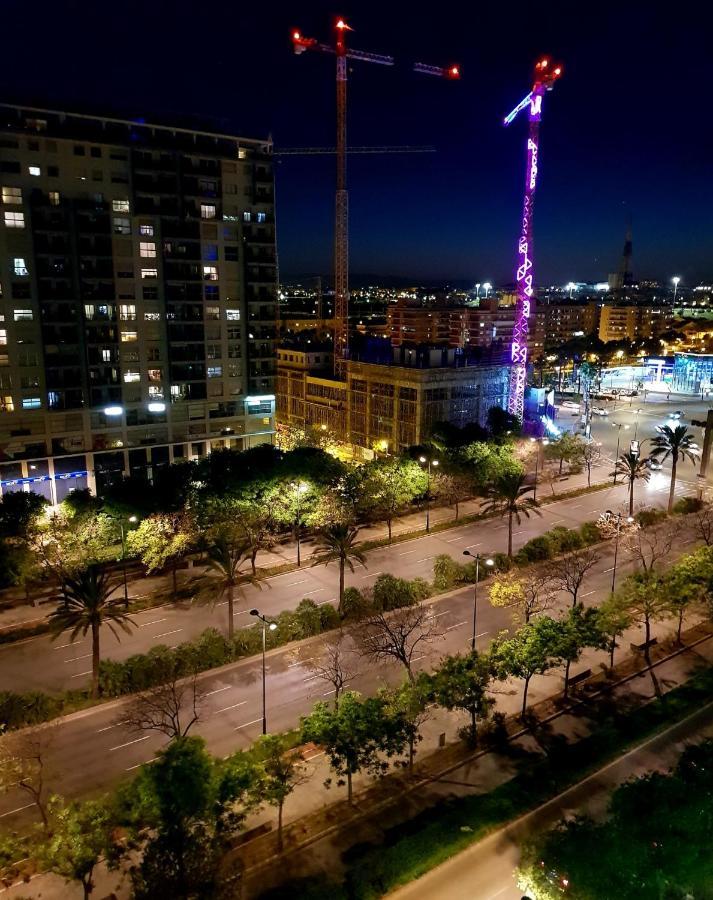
x,y
507,497
337,542
631,467
676,443
88,605
225,556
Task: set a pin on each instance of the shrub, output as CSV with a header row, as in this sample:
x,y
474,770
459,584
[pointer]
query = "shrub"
x,y
447,573
503,563
390,592
590,533
354,604
648,517
564,540
19,710
535,550
687,505
422,589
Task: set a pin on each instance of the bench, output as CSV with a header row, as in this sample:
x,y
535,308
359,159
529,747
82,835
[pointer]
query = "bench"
x,y
579,677
640,648
246,836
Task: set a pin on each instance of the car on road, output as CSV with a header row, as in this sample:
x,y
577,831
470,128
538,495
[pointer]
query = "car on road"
x,y
653,464
675,415
571,405
600,411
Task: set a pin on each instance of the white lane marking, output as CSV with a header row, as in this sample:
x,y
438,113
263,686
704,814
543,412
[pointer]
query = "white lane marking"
x,y
417,658
129,743
610,569
322,602
371,575
234,706
482,633
151,609
457,625
588,593
247,724
77,658
109,727
80,674
515,533
138,765
19,809
406,552
154,622
576,505
474,545
453,540
299,662
316,591
555,521
218,690
425,558
62,646
293,583
444,613
327,693
166,633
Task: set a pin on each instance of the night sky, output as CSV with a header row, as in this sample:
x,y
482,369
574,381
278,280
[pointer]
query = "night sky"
x,y
627,130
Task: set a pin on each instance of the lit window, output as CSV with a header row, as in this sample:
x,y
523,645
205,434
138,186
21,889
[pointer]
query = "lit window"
x,y
6,404
127,336
3,337
210,273
215,371
14,220
31,403
34,170
19,266
147,249
262,217
127,312
247,216
54,198
210,251
130,377
149,273
154,374
212,312
11,195
120,205
23,315
156,391
207,210
106,355
152,317
242,153
122,225
146,230
232,315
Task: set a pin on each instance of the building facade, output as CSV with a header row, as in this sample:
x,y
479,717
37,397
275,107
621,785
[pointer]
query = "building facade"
x,y
631,322
137,265
389,406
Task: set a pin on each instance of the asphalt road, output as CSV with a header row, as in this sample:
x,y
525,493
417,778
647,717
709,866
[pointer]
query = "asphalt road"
x,y
93,749
42,664
486,870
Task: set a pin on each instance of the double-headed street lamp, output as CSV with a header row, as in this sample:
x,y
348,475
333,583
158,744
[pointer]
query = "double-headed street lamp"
x,y
541,442
428,462
630,520
265,625
299,487
488,562
676,280
618,425
122,531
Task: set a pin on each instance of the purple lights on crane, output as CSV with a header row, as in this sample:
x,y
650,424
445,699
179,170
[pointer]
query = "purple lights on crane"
x,y
545,77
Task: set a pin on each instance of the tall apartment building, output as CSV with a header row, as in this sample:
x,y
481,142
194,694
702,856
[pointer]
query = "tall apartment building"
x,y
631,322
138,306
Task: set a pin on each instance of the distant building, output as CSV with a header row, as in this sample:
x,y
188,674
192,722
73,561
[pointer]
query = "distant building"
x,y
629,322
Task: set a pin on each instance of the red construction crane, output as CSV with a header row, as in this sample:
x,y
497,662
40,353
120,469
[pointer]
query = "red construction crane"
x,y
341,220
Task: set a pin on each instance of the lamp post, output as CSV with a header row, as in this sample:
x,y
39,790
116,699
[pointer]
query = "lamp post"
x,y
629,519
487,287
676,279
636,423
299,487
488,562
122,532
477,290
541,442
428,462
265,625
618,425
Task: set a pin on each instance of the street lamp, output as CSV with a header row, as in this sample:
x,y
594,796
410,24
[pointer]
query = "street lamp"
x,y
541,442
487,287
429,462
120,520
629,520
300,487
618,425
676,279
488,562
477,290
636,423
570,287
265,625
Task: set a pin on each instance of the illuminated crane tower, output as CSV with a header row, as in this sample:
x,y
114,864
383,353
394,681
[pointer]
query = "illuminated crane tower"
x,y
341,222
545,76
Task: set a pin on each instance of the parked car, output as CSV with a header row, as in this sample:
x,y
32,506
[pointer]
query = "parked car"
x,y
653,464
600,411
675,415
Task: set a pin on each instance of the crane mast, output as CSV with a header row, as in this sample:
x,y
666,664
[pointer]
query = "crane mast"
x,y
341,212
545,76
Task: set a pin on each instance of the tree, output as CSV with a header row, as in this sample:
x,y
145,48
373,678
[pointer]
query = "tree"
x,y
283,771
332,666
79,835
644,599
19,513
461,682
355,737
407,709
161,541
397,635
631,467
508,497
678,444
226,554
591,455
502,424
385,486
685,588
649,546
532,650
529,596
580,628
569,571
171,708
88,606
23,764
251,513
614,619
703,524
337,543
452,488
568,448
